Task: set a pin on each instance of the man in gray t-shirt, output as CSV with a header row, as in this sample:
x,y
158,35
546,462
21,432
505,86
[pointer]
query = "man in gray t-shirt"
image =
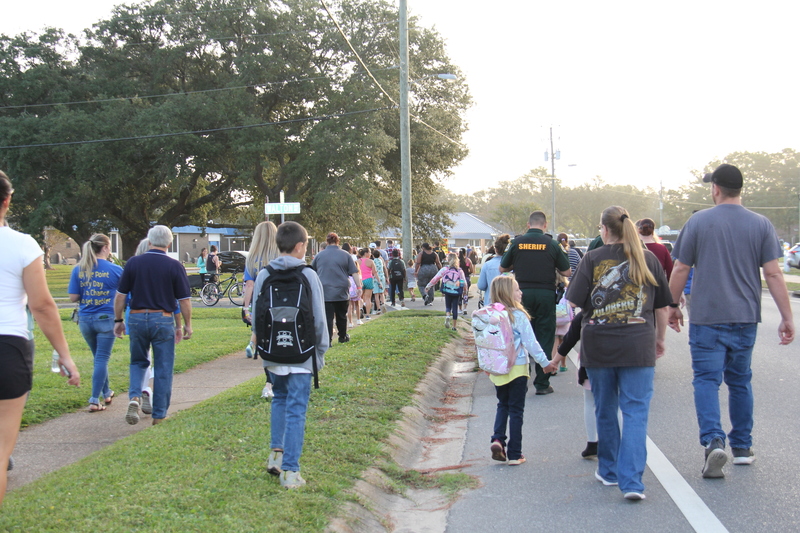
x,y
726,245
334,267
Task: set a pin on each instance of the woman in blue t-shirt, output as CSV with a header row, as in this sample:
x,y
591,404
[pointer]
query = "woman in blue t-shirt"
x,y
94,284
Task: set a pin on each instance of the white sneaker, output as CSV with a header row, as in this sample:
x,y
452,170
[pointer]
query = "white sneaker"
x,y
447,322
360,322
147,403
291,480
274,463
266,392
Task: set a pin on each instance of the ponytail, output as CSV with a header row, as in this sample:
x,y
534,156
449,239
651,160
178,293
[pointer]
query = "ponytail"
x,y
89,253
619,224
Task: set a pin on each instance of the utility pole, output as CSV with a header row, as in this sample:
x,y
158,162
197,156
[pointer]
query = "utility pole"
x,y
405,135
553,155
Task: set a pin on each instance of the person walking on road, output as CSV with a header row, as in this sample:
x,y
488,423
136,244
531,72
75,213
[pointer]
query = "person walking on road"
x,y
512,387
491,267
453,286
155,282
623,293
93,283
22,280
726,245
534,257
426,266
334,268
646,227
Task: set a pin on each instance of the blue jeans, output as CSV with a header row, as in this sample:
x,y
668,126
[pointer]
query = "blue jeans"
x,y
157,331
724,352
622,455
99,335
510,411
288,417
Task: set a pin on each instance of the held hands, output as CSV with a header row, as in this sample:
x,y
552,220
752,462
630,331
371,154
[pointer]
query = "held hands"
x,y
551,368
675,318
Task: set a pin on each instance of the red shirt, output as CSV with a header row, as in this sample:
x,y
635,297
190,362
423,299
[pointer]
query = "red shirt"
x,y
661,252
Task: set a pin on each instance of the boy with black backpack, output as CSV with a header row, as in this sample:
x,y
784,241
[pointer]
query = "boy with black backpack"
x,y
291,338
397,277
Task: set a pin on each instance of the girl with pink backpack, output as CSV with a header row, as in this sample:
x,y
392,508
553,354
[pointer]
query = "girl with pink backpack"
x,y
511,388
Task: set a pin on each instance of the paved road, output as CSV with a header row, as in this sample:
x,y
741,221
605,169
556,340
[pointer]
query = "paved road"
x,y
556,491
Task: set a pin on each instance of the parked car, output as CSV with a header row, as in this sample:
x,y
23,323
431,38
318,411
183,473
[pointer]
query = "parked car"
x,y
793,256
232,261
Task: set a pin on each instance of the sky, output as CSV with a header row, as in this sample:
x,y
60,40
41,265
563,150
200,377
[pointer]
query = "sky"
x,y
638,93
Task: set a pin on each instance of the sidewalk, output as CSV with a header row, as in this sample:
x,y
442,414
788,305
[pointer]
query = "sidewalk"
x,y
46,447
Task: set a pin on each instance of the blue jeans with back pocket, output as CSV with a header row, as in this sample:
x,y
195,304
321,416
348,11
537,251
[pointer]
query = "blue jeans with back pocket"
x,y
723,352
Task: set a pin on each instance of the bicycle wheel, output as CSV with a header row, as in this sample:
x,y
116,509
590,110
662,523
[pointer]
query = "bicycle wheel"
x,y
236,293
210,294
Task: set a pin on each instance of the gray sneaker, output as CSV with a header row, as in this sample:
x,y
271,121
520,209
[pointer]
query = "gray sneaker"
x,y
291,480
715,459
147,403
132,415
743,456
10,464
275,462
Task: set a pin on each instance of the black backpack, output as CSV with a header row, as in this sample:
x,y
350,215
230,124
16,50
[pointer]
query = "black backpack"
x,y
397,270
284,319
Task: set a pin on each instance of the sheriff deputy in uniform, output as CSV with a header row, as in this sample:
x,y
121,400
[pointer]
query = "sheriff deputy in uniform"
x,y
534,257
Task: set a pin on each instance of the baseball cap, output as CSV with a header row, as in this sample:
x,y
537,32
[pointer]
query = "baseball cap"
x,y
725,176
372,245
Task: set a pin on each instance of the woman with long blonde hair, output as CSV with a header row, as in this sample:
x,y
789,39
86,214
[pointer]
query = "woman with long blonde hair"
x,y
623,292
93,283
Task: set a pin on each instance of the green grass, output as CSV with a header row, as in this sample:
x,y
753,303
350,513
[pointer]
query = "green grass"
x,y
204,469
217,331
58,280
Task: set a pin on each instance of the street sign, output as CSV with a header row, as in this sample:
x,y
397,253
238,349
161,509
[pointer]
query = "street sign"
x,y
282,208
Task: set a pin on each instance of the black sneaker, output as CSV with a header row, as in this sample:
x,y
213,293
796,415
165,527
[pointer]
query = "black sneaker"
x,y
743,456
590,451
346,338
715,459
542,392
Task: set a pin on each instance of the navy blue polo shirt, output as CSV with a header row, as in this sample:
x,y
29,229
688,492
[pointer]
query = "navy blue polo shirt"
x,y
154,281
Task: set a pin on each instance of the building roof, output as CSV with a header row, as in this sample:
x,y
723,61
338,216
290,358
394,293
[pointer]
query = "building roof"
x,y
465,226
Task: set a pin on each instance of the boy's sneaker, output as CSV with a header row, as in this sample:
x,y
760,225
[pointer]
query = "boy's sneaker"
x,y
249,350
604,481
743,456
715,459
266,392
10,464
291,480
147,403
498,451
635,496
132,415
274,463
516,462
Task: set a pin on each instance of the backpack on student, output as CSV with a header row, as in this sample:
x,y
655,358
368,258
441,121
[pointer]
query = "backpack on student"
x,y
397,270
284,319
494,339
451,281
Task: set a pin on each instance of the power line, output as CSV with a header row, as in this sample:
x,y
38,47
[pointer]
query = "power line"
x,y
200,132
167,95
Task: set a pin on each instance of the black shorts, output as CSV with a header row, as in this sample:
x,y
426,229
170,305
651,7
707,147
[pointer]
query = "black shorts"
x,y
16,366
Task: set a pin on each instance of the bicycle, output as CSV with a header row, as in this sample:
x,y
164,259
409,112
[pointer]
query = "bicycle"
x,y
211,292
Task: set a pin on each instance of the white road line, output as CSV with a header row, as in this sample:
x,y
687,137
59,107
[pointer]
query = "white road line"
x,y
697,513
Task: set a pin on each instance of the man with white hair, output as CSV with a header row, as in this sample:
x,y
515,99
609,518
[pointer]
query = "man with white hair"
x,y
157,285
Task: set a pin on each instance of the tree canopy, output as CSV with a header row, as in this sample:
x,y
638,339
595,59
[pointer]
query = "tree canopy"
x,y
217,106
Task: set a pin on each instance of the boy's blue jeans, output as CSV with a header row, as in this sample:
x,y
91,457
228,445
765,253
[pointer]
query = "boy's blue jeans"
x,y
723,351
288,417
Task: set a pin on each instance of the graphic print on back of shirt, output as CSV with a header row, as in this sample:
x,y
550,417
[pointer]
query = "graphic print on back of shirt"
x,y
615,298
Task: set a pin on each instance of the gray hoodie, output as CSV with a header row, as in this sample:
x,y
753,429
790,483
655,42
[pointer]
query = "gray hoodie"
x,y
285,262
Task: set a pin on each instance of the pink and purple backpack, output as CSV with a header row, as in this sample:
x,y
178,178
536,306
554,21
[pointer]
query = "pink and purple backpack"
x,y
494,339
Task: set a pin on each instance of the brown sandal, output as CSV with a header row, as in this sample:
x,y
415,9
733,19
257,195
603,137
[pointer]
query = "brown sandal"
x,y
96,407
110,398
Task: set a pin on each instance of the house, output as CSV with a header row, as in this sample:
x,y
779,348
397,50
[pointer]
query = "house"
x,y
467,230
187,241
